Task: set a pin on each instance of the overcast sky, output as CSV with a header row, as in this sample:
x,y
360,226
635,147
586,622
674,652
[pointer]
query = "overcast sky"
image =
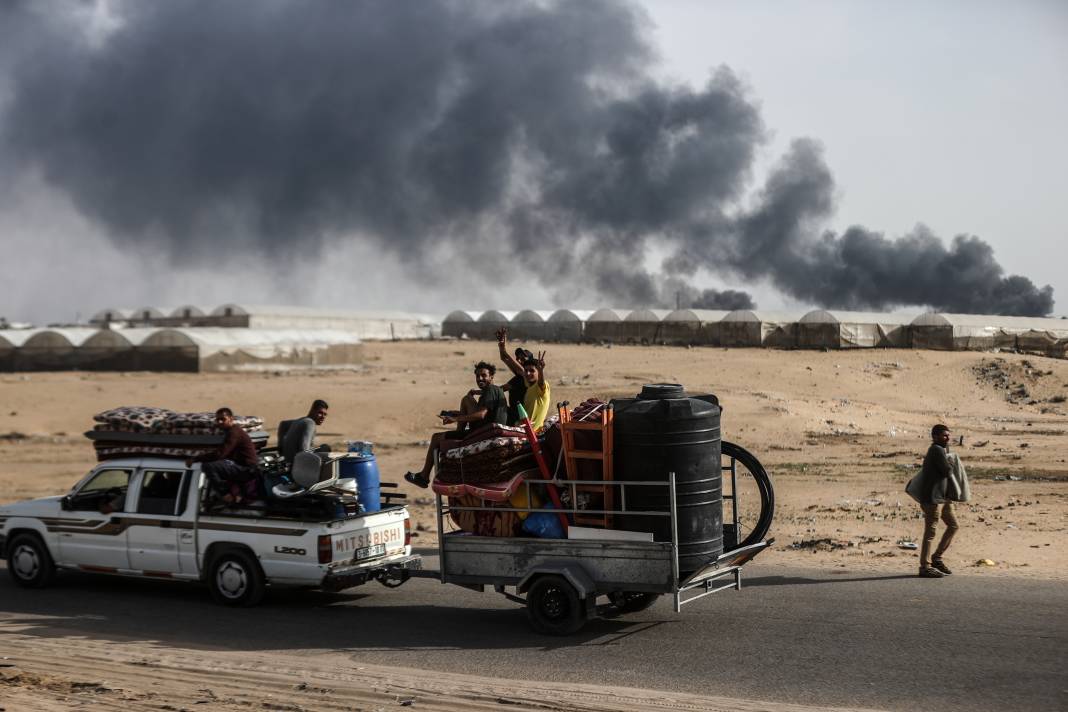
x,y
949,114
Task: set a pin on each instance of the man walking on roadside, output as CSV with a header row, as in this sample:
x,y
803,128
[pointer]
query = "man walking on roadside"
x,y
934,488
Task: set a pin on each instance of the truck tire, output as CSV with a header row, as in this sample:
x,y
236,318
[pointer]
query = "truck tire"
x,y
236,579
29,562
554,606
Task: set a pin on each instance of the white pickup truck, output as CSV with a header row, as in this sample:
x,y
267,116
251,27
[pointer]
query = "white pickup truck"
x,y
144,517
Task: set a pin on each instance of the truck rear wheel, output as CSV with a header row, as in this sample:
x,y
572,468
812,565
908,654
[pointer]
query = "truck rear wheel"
x,y
236,579
554,606
29,562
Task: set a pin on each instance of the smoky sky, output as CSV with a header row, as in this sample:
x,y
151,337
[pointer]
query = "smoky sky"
x,y
528,141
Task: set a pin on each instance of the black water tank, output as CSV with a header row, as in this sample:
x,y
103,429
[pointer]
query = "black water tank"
x,y
664,430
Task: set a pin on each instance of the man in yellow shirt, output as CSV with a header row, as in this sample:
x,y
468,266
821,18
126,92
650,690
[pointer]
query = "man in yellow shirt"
x,y
537,398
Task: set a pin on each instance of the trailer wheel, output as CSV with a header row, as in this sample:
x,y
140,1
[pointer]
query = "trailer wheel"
x,y
236,579
554,606
29,562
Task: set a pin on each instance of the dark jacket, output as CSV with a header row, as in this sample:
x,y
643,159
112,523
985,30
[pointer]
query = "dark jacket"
x,y
933,479
237,447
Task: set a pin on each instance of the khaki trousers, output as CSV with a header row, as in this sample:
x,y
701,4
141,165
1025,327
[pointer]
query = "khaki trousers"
x,y
930,521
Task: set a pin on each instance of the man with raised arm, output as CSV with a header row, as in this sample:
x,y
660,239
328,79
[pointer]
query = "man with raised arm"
x,y
516,388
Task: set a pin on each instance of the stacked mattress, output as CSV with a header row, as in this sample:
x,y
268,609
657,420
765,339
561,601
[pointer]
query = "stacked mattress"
x,y
158,432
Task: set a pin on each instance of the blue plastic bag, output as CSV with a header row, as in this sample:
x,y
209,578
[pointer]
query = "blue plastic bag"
x,y
544,525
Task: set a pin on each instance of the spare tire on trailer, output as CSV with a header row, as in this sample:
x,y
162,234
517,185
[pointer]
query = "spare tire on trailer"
x,y
762,524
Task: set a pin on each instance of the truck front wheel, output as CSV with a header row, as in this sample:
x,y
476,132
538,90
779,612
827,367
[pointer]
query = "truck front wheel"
x,y
236,579
29,562
554,606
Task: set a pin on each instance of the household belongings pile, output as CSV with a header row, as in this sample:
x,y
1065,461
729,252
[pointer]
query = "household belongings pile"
x,y
488,469
146,431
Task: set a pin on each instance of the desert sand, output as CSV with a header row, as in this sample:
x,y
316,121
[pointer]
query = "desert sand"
x,y
840,433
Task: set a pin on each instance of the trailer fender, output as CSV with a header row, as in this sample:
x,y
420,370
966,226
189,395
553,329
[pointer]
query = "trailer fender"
x,y
574,573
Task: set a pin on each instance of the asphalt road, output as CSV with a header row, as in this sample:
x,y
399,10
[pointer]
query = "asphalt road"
x,y
967,642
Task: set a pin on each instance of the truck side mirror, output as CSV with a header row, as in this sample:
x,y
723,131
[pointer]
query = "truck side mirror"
x,y
64,503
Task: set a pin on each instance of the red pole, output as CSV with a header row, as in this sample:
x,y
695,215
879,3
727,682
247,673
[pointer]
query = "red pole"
x,y
535,446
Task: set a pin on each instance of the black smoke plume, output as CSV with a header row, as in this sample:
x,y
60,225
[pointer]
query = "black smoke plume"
x,y
528,135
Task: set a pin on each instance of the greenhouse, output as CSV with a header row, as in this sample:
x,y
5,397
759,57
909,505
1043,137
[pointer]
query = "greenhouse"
x,y
825,329
221,349
979,332
690,327
460,324
52,350
745,327
530,325
605,325
567,325
489,322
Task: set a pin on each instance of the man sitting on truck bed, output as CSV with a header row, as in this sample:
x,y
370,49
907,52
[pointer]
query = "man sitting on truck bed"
x,y
235,464
490,407
298,435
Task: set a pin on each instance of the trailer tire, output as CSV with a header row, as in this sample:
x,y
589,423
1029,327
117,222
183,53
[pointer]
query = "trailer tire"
x,y
236,579
757,530
554,606
29,562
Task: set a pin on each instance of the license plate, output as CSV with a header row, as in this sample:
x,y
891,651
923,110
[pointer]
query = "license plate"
x,y
369,552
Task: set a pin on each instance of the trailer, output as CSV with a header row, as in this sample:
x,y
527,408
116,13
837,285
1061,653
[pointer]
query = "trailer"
x,y
560,580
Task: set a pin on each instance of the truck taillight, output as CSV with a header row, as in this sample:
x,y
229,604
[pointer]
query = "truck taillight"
x,y
325,551
407,532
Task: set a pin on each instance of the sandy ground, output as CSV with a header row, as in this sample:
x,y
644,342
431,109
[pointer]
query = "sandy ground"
x,y
840,432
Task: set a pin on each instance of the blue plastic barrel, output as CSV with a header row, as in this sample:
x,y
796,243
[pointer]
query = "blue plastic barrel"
x,y
363,469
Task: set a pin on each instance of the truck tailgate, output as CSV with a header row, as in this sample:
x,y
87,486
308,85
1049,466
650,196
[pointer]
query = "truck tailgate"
x,y
369,537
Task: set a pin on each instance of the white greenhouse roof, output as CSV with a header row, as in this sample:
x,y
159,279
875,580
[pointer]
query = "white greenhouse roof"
x,y
571,315
701,316
992,321
193,309
654,315
14,338
531,315
116,314
216,339
493,316
835,316
609,315
52,337
762,316
462,316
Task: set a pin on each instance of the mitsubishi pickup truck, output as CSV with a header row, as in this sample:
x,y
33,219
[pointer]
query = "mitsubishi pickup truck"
x,y
145,516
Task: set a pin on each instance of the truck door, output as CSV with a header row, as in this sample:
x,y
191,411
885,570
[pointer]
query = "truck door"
x,y
92,533
152,532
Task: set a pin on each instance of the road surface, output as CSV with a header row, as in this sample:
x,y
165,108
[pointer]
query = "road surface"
x,y
967,642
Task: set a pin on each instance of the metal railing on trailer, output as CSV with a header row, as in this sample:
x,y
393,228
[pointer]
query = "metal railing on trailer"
x,y
602,573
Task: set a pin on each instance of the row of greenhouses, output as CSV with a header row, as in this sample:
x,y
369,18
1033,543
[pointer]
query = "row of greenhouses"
x,y
816,329
369,325
189,350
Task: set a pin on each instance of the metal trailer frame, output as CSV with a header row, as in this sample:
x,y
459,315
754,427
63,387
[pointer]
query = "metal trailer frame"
x,y
592,567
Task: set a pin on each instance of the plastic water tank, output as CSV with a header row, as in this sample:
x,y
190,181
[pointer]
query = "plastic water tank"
x,y
664,430
363,468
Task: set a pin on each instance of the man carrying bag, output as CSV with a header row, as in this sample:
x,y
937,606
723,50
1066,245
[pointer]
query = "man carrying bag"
x,y
941,481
